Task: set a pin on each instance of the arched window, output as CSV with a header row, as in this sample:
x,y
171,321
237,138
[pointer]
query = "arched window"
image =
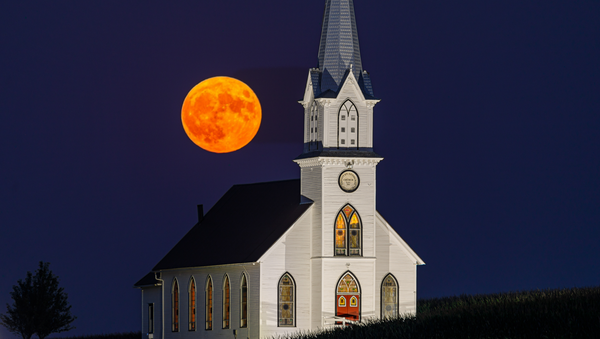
x,y
226,302
287,301
192,305
389,297
348,297
244,302
348,125
175,306
348,237
209,303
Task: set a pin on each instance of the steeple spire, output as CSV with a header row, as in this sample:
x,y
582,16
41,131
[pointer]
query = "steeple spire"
x,y
339,50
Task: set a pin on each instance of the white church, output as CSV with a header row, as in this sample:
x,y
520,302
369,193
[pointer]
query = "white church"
x,y
320,255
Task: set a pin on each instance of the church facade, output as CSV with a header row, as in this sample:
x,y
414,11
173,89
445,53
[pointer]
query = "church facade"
x,y
320,255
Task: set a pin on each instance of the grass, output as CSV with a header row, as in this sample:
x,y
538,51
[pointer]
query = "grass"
x,y
542,314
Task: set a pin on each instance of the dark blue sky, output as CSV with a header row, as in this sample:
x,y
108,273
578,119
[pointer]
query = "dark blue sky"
x,y
489,125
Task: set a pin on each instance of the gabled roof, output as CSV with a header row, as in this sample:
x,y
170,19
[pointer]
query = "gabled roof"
x,y
240,227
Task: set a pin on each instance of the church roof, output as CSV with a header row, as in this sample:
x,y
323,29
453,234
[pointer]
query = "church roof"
x,y
339,52
240,227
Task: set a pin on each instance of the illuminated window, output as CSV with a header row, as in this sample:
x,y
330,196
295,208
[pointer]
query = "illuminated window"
x,y
244,302
389,297
226,302
175,307
209,303
192,305
287,294
348,232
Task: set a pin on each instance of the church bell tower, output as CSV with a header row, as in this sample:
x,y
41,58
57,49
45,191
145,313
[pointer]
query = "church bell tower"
x,y
338,164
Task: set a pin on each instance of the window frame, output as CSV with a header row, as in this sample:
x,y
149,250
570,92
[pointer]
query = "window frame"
x,y
208,304
226,302
175,306
397,302
192,299
293,281
243,280
347,230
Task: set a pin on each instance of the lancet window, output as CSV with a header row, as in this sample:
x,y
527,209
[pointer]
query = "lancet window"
x,y
389,297
287,301
226,302
192,305
348,237
347,125
175,306
244,302
208,299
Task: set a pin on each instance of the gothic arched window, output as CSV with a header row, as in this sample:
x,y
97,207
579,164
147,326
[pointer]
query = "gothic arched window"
x,y
287,301
192,305
208,300
348,125
175,306
348,237
244,302
389,297
226,302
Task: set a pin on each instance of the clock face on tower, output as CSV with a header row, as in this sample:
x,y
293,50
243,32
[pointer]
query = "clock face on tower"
x,y
348,181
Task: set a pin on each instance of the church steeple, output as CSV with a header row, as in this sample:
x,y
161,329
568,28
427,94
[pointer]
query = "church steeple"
x,y
339,50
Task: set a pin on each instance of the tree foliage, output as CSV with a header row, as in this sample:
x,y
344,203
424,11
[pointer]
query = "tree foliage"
x,y
39,306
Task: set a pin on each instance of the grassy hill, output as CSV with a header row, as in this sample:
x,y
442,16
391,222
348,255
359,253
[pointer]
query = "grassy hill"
x,y
567,313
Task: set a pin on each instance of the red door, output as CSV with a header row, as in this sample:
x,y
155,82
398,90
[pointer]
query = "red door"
x,y
348,298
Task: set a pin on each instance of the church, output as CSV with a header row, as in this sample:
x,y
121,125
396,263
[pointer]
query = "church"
x,y
320,255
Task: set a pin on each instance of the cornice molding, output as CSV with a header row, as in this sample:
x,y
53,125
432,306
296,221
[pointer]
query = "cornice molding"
x,y
348,162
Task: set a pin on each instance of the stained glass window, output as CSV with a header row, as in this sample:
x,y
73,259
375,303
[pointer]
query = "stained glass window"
x,y
347,285
353,302
209,303
342,302
192,305
226,302
175,307
348,232
286,301
389,297
244,302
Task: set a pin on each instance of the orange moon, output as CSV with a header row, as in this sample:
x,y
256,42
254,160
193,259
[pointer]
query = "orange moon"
x,y
221,114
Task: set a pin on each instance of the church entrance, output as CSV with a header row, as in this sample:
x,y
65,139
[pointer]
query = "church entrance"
x,y
348,298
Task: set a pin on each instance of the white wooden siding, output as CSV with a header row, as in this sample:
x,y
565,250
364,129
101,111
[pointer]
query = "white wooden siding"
x,y
234,271
291,254
152,295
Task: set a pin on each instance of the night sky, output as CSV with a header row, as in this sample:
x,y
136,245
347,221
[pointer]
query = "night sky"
x,y
489,127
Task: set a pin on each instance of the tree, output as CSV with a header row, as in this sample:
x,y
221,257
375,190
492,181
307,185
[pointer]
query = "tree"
x,y
40,306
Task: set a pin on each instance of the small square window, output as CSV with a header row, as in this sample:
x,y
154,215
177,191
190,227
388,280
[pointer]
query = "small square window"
x,y
343,129
352,130
352,141
311,130
352,117
343,117
343,141
311,118
316,117
315,129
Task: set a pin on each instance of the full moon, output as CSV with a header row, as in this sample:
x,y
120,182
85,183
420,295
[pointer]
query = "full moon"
x,y
221,114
